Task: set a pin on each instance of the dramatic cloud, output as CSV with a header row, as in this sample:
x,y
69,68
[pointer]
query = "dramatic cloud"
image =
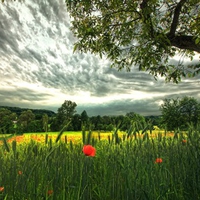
x,y
38,68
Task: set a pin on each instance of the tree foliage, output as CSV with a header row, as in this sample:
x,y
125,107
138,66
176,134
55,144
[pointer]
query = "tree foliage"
x,y
179,113
190,110
85,120
45,120
37,112
142,33
64,115
25,121
7,119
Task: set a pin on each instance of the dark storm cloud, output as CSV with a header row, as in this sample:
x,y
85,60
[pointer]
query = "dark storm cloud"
x,y
36,47
144,107
23,97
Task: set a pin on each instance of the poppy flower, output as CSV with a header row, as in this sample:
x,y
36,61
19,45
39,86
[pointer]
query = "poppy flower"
x,y
50,192
184,141
1,189
20,172
89,150
158,160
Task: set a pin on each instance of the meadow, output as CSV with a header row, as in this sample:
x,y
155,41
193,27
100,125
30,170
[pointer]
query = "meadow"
x,y
153,166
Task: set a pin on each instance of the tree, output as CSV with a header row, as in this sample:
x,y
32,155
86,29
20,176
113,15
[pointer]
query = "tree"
x,y
65,113
137,121
76,122
170,114
178,113
190,110
144,33
35,126
24,121
7,119
45,120
85,119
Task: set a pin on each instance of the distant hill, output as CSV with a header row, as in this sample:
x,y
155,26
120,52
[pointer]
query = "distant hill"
x,y
37,112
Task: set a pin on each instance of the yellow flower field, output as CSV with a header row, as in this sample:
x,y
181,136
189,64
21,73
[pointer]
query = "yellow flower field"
x,y
74,136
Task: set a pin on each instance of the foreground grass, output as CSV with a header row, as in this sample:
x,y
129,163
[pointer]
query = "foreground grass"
x,y
123,168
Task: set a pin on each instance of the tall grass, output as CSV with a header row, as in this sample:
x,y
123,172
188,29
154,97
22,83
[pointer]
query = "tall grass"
x,y
123,168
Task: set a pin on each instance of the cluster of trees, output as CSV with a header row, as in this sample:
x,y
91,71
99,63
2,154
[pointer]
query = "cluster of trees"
x,y
66,114
176,114
26,122
37,112
21,120
180,113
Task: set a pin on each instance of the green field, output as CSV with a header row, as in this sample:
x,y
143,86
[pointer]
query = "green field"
x,y
122,168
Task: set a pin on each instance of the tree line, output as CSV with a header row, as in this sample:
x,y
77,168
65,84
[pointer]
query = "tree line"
x,y
176,114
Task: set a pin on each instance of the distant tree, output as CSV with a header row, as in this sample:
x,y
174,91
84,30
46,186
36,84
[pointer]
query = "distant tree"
x,y
24,121
85,119
177,113
107,120
76,122
109,127
7,119
144,33
190,110
137,121
118,120
154,119
125,125
54,124
171,117
93,121
97,122
45,120
37,112
65,113
35,126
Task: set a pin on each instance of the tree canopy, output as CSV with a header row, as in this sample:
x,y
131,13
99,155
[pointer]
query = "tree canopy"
x,y
180,113
64,115
145,34
7,119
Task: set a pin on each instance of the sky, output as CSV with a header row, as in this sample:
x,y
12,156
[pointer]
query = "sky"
x,y
39,70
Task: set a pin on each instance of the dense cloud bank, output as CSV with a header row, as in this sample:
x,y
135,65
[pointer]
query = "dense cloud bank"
x,y
38,68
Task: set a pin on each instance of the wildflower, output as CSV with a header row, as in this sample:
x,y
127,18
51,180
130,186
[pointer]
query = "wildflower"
x,y
1,189
89,150
184,141
50,192
158,160
20,172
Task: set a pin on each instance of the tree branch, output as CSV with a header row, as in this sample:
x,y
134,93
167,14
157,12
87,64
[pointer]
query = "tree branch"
x,y
147,17
176,18
185,42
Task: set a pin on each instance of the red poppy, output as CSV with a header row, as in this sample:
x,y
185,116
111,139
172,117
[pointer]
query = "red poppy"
x,y
158,160
20,172
50,192
89,150
1,189
184,141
